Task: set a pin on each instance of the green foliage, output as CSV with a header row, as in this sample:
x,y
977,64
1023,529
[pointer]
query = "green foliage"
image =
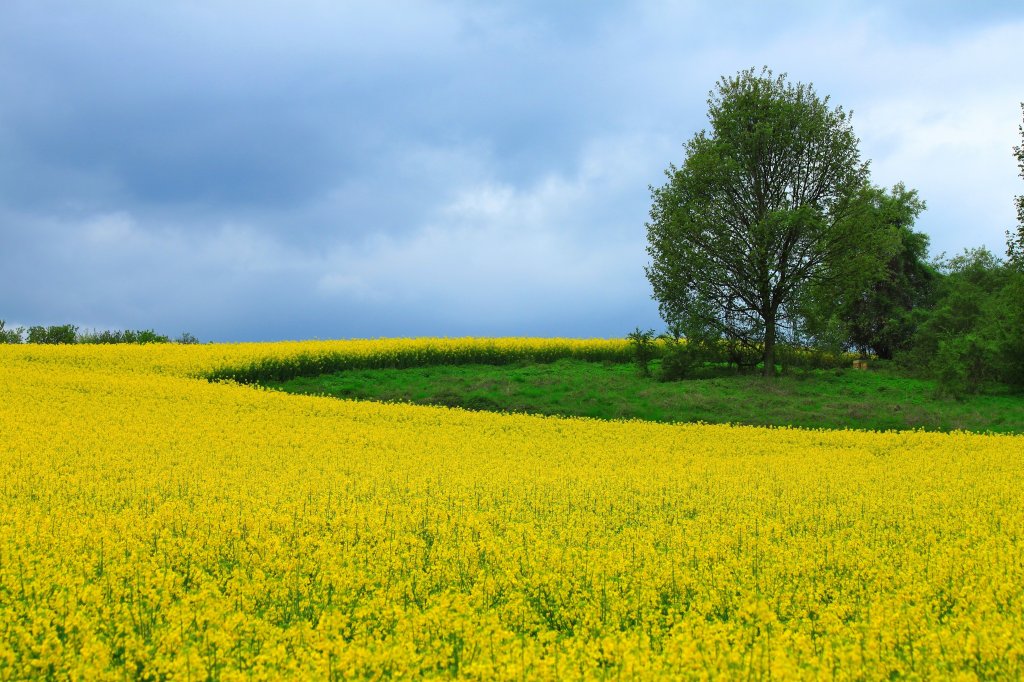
x,y
974,334
771,202
874,315
148,336
69,334
186,339
678,359
641,342
10,335
685,358
963,364
54,334
690,342
126,336
1007,329
812,358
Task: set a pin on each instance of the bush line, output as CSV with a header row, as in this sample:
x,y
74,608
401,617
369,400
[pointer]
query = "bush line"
x,y
315,364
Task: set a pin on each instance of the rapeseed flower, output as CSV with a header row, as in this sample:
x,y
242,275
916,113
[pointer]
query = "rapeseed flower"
x,y
156,525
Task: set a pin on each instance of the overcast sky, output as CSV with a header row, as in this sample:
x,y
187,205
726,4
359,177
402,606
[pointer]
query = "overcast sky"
x,y
287,170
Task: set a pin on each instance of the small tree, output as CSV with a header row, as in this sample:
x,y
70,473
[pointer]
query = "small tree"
x,y
642,343
772,200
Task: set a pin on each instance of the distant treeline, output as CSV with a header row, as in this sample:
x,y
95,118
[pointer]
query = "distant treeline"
x,y
69,333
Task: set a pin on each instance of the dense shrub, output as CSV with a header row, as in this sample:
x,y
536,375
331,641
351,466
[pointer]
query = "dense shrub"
x,y
974,335
1007,330
54,334
963,365
678,359
126,336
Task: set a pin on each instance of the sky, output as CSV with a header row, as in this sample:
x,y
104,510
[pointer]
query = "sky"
x,y
266,170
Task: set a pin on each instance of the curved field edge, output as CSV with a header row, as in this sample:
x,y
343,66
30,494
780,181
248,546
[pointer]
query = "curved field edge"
x,y
278,361
152,524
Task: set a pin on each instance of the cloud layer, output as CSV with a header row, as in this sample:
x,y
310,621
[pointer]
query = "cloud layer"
x,y
368,169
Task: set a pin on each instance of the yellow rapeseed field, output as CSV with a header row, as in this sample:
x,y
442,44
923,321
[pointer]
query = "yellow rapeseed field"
x,y
154,525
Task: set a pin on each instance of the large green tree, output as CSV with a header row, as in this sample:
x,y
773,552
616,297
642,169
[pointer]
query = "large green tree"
x,y
774,198
877,316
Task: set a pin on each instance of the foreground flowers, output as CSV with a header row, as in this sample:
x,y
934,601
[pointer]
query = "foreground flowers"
x,y
154,524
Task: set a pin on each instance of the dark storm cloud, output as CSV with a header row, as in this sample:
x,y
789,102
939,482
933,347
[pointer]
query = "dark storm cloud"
x,y
225,110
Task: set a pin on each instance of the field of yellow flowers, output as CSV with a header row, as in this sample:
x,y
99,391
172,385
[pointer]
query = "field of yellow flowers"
x,y
155,525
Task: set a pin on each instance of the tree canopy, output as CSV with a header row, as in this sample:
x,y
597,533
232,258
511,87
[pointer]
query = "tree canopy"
x,y
770,201
877,317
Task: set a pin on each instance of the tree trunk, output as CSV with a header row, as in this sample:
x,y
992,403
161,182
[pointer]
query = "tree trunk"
x,y
769,346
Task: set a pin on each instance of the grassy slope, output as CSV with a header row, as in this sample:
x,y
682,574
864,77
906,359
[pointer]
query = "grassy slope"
x,y
825,398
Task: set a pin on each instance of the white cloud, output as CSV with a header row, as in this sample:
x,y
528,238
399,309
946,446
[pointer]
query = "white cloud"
x,y
937,112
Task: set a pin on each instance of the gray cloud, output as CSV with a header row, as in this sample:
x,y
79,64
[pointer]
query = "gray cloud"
x,y
361,169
